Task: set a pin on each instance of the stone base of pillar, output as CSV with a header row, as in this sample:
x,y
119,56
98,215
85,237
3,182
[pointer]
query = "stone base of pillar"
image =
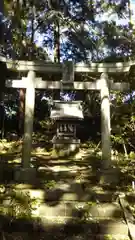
x,y
25,175
110,176
106,163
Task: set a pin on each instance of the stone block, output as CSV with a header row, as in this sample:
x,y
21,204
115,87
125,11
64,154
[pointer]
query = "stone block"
x,y
110,176
25,175
65,147
48,211
62,140
113,227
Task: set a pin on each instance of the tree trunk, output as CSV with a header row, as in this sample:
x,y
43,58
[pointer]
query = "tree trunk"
x,y
21,91
57,41
1,24
32,32
130,13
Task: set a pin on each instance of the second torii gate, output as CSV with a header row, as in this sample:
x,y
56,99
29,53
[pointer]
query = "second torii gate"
x,y
30,83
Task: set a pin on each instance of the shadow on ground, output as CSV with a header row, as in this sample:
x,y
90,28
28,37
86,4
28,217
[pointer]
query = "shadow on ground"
x,y
32,230
77,184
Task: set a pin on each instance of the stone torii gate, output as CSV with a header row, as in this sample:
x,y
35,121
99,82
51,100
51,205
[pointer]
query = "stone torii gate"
x,y
31,82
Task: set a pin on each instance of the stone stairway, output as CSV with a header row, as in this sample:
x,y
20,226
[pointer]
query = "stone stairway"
x,y
70,218
72,204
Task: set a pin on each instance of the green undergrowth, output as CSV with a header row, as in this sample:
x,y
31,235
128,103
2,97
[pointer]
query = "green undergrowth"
x,y
49,184
16,206
16,214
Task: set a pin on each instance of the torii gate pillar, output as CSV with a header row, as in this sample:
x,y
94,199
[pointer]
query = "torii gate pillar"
x,y
26,173
28,119
105,121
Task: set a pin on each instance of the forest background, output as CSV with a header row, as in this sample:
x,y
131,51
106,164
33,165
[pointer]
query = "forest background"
x,y
81,31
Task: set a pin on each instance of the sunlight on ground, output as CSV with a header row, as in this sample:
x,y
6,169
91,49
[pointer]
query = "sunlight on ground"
x,y
69,190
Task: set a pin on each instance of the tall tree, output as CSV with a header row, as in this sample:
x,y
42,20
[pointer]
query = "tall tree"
x,y
1,22
76,25
20,37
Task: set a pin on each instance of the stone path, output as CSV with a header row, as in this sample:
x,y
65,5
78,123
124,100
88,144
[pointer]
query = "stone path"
x,y
71,202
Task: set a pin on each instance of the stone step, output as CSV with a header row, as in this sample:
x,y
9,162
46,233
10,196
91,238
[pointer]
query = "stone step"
x,y
77,209
103,227
56,234
72,173
80,209
70,192
77,219
98,219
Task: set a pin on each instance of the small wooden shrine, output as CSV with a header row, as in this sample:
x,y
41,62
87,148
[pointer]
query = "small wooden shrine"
x,y
67,116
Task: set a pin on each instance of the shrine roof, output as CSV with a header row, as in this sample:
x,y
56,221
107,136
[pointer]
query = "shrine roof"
x,y
66,110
